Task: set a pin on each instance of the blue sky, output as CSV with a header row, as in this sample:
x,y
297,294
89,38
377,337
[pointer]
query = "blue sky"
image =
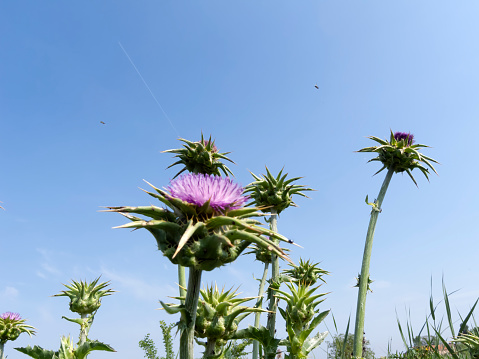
x,y
243,72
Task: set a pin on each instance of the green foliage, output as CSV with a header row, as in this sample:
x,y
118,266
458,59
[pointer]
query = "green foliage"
x,y
237,349
148,345
341,347
67,350
167,339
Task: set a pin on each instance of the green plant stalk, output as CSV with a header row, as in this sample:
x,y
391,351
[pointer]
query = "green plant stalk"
x,y
2,346
182,281
363,282
191,303
273,303
210,348
258,315
83,331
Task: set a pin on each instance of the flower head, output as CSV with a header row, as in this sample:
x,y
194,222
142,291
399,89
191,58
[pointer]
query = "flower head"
x,y
220,193
206,225
12,325
400,154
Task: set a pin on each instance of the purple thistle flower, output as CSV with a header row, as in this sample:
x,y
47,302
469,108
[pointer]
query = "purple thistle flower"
x,y
403,136
198,189
11,316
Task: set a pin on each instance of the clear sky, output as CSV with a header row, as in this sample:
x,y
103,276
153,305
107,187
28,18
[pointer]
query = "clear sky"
x,y
244,72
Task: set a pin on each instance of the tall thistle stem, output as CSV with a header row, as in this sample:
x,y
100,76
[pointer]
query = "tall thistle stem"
x,y
2,346
83,330
364,277
182,281
273,303
191,304
258,315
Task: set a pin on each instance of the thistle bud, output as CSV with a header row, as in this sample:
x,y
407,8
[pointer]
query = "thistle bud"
x,y
85,298
12,325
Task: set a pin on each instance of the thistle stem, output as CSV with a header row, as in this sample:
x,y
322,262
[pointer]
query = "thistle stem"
x,y
83,330
182,281
364,276
258,303
2,346
210,348
273,303
191,304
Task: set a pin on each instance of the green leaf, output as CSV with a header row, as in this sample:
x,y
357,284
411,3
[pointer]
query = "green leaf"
x,y
313,342
84,349
37,352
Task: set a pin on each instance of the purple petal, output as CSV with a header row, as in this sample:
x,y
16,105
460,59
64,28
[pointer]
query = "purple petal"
x,y
403,136
199,188
11,316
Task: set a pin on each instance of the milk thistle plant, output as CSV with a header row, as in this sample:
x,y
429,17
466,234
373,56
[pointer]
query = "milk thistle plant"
x,y
273,194
11,326
204,227
198,157
397,155
85,299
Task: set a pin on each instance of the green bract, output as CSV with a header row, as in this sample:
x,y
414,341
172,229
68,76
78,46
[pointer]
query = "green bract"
x,y
274,192
10,329
306,272
85,298
201,157
400,156
197,236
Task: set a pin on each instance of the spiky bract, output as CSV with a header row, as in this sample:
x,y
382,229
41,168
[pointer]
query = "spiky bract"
x,y
306,272
199,236
12,325
400,155
219,313
201,157
85,298
273,192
